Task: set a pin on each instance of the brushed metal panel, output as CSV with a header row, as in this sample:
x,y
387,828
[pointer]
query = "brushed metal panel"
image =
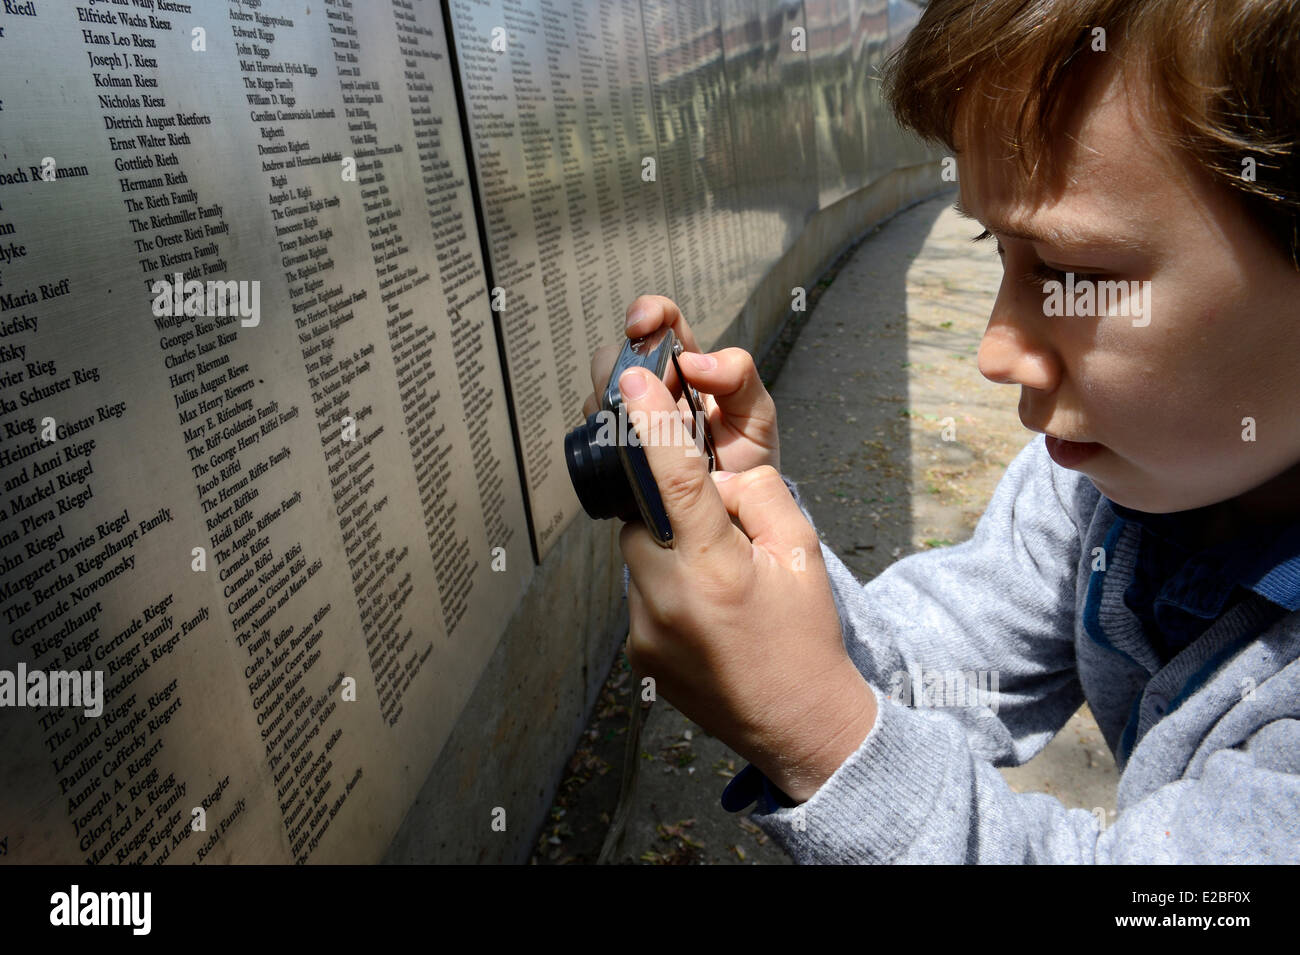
x,y
559,119
236,523
908,149
841,146
882,133
697,161
767,73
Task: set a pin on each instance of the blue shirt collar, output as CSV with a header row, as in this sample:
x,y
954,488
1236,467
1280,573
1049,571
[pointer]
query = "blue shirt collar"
x,y
1262,559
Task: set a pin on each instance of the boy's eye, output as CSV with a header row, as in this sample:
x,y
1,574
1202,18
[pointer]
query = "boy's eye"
x,y
1041,273
985,235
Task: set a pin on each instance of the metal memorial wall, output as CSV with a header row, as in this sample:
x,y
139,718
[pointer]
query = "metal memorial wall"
x,y
296,304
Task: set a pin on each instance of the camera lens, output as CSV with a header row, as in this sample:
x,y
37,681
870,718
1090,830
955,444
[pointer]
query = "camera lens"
x,y
597,473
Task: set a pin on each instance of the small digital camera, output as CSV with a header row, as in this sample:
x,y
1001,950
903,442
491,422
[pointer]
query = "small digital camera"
x,y
612,477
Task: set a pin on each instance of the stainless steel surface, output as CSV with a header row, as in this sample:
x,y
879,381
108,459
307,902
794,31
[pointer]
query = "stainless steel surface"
x,y
697,161
663,146
368,559
837,98
558,110
908,149
765,43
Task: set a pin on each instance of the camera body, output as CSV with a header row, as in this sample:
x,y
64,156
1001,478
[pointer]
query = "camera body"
x,y
612,477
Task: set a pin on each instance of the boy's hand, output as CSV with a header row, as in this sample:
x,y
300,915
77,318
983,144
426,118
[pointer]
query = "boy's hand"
x,y
742,415
736,622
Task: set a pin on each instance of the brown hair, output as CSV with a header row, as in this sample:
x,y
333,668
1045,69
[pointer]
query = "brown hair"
x,y
1226,74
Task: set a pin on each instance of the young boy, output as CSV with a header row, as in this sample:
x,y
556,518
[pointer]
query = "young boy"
x,y
1137,156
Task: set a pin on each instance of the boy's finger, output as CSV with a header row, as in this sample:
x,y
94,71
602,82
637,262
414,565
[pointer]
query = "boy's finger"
x,y
681,473
732,378
649,312
767,512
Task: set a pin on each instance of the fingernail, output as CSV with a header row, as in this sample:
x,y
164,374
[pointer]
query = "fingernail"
x,y
723,475
701,362
637,314
632,383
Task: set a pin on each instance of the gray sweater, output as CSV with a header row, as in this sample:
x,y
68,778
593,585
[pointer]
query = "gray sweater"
x,y
989,647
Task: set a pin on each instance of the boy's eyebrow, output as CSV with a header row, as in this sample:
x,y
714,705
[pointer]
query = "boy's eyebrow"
x,y
1061,236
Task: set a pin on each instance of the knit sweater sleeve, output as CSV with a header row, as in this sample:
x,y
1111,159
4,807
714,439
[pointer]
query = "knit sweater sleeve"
x,y
983,631
915,792
922,787
970,652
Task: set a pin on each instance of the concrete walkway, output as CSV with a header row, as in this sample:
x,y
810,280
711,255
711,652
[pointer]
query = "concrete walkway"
x,y
896,442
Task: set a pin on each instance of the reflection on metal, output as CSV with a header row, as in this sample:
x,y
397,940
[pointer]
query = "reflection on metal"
x,y
698,161
667,146
559,112
908,149
771,106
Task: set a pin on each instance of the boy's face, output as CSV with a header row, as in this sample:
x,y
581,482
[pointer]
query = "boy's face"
x,y
1163,393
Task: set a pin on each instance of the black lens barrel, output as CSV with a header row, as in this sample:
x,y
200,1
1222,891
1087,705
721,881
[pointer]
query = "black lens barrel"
x,y
597,473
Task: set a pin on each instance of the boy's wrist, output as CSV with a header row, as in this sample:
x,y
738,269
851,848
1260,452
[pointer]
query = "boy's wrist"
x,y
827,736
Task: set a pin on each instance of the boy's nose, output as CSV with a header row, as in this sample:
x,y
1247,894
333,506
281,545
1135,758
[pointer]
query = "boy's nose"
x,y
1012,353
